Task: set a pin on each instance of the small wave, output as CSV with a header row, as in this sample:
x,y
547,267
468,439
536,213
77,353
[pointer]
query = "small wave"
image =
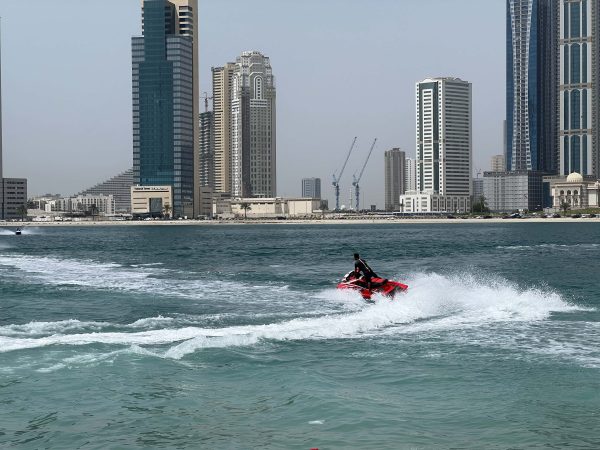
x,y
433,303
549,247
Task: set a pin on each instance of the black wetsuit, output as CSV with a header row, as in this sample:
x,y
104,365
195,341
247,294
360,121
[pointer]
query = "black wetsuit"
x,y
360,266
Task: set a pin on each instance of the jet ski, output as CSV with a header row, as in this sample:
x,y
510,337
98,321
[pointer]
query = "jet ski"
x,y
382,286
18,232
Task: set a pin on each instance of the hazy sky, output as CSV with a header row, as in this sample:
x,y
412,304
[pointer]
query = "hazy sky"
x,y
343,68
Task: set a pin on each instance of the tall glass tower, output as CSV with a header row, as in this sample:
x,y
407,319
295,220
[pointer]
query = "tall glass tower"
x,y
531,80
165,101
578,95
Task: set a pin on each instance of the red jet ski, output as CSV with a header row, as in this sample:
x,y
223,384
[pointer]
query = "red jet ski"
x,y
382,286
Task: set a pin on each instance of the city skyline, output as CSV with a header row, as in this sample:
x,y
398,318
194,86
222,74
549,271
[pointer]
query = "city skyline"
x,y
390,116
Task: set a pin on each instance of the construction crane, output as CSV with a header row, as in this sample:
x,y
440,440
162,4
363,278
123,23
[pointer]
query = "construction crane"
x,y
206,99
336,179
356,181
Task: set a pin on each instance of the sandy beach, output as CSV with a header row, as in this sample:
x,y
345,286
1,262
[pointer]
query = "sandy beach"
x,y
328,221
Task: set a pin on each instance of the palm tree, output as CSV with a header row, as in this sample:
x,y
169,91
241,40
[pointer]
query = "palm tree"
x,y
93,211
22,211
167,210
565,206
245,206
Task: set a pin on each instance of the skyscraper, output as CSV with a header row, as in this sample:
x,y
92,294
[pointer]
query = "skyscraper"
x,y
222,79
1,172
165,101
253,143
207,142
395,178
579,94
444,147
311,188
531,80
410,177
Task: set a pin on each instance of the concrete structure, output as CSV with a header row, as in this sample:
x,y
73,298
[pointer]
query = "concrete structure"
x,y
105,204
207,150
253,128
206,202
119,187
579,105
1,172
513,191
576,192
166,101
410,177
444,147
311,188
222,79
15,197
477,189
267,207
498,163
151,200
531,81
394,178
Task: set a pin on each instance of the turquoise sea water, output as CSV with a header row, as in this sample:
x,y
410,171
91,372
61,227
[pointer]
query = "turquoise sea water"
x,y
231,337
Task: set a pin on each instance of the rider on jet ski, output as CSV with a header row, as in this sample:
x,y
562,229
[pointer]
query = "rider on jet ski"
x,y
361,266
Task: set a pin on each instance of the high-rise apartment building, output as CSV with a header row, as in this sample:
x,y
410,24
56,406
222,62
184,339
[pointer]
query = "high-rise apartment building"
x,y
531,81
118,186
1,172
222,79
311,188
579,122
395,178
410,177
207,142
444,147
166,101
253,143
498,163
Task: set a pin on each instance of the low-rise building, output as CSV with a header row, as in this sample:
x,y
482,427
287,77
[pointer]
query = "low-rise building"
x,y
104,204
575,192
413,202
151,200
267,207
14,191
513,191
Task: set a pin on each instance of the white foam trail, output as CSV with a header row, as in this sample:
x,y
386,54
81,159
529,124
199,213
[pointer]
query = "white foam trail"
x,y
433,303
45,328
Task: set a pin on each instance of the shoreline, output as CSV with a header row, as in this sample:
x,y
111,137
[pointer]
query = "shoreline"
x,y
360,221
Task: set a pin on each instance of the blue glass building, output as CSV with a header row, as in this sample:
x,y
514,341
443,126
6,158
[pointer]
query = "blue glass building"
x,y
578,96
531,85
164,102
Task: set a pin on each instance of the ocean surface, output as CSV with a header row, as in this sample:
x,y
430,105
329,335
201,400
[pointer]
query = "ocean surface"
x,y
234,337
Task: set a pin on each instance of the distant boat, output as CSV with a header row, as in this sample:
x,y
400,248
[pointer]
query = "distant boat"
x,y
18,232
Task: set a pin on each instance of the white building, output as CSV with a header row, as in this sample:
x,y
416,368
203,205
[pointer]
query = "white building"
x,y
444,147
575,192
152,200
104,204
498,163
410,177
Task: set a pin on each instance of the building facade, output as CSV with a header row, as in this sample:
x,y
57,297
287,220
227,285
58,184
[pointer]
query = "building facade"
x,y
513,191
575,192
498,163
152,201
207,153
119,187
477,189
222,79
578,95
15,197
166,100
311,188
531,81
104,204
394,178
410,177
253,128
444,145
